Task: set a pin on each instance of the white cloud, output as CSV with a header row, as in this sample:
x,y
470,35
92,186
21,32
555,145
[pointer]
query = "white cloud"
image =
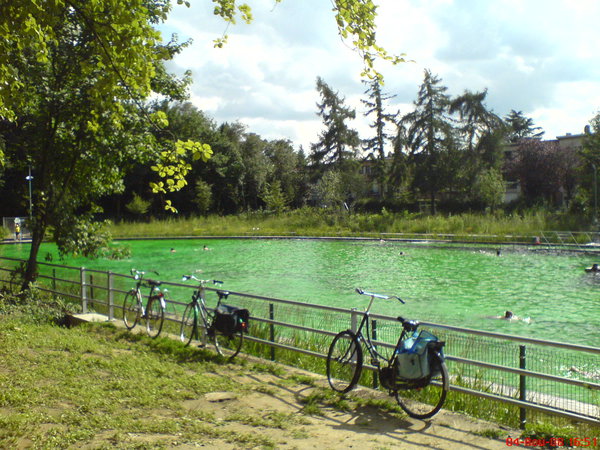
x,y
537,56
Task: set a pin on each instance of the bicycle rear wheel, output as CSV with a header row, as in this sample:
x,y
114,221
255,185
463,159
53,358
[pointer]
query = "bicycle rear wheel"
x,y
131,309
155,316
344,362
189,324
425,402
228,345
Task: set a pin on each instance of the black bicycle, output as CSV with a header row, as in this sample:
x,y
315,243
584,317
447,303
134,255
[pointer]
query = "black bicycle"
x,y
224,326
153,312
416,366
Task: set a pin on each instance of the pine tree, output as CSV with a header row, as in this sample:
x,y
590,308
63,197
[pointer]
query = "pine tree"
x,y
376,146
521,127
431,139
338,143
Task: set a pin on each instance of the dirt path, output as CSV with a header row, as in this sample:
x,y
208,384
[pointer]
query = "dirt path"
x,y
360,427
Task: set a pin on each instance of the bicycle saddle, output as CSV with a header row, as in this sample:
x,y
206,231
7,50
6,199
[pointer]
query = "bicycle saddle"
x,y
408,325
153,282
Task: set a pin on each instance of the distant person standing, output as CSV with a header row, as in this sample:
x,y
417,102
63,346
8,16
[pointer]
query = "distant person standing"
x,y
17,232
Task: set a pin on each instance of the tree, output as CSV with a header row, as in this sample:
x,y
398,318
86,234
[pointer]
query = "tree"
x,y
520,127
274,198
125,38
482,138
338,142
590,164
73,78
541,169
203,196
489,189
289,168
138,206
79,102
430,137
376,145
329,190
476,119
256,170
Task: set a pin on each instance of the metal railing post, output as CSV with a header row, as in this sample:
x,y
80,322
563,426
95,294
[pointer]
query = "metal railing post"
x,y
272,329
54,279
522,386
92,289
354,320
374,337
111,296
83,290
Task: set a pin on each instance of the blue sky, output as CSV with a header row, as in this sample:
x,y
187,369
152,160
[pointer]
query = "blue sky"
x,y
536,56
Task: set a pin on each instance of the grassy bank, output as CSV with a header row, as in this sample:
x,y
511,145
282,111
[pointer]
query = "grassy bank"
x,y
99,386
322,222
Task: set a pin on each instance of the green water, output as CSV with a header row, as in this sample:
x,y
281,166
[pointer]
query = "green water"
x,y
453,286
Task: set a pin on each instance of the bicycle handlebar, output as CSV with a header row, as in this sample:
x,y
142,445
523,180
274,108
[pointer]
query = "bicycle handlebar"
x,y
384,297
193,277
136,273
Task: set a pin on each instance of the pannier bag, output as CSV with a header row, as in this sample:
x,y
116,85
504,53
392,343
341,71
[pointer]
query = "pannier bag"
x,y
229,319
413,361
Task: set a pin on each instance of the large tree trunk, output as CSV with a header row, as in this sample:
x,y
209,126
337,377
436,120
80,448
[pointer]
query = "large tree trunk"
x,y
31,269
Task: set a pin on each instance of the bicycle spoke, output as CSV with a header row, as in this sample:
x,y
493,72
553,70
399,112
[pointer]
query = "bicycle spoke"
x,y
155,316
344,362
131,309
189,325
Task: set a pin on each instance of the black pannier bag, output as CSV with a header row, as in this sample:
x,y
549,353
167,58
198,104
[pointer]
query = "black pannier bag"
x,y
229,319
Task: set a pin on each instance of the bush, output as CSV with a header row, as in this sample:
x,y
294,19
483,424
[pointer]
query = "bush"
x,y
35,307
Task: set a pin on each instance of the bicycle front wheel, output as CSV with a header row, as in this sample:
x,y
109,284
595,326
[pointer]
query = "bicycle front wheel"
x,y
189,324
344,362
155,316
131,309
228,345
425,402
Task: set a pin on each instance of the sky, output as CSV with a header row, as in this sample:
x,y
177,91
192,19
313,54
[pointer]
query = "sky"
x,y
535,56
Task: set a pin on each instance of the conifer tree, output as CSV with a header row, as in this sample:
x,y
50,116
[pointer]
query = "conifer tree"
x,y
338,143
382,121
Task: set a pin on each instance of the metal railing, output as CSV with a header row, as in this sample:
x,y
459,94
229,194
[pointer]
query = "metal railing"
x,y
531,374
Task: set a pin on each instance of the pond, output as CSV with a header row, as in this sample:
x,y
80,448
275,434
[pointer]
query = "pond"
x,y
462,286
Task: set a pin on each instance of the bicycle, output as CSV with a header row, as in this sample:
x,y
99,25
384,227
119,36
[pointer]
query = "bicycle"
x,y
227,343
153,312
416,365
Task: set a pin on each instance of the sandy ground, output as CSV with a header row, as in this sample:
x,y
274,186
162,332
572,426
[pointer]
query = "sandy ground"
x,y
361,428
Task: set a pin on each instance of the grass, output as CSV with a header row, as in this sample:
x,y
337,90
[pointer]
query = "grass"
x,y
101,386
321,222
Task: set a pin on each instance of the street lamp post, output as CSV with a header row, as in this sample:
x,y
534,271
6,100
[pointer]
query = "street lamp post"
x,y
595,197
29,178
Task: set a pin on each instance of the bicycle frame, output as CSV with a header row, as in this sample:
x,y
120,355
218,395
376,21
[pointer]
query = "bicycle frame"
x,y
368,343
154,291
199,304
